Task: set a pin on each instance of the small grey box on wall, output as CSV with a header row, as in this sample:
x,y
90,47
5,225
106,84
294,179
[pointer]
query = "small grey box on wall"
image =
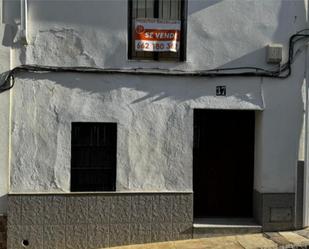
x,y
274,53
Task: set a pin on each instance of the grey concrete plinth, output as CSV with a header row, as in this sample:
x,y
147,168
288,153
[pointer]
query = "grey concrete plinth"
x,y
275,211
88,221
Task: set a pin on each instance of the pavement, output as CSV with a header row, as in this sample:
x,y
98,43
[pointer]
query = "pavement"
x,y
282,240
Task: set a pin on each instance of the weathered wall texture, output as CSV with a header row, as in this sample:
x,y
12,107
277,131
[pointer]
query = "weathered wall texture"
x,y
154,114
154,117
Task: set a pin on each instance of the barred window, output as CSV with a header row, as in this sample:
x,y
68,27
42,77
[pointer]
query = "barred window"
x,y
175,10
93,156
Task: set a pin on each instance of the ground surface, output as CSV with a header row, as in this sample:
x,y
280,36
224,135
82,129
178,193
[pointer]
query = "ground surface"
x,y
282,240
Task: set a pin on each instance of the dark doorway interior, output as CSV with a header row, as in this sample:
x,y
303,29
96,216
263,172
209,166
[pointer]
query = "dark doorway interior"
x,y
223,163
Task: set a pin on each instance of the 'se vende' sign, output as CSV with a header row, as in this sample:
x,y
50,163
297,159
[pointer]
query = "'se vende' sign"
x,y
154,35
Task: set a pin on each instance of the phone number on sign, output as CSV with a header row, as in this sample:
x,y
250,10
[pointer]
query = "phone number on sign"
x,y
156,46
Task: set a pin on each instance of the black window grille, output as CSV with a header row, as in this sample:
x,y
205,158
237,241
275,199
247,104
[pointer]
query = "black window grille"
x,y
93,156
162,9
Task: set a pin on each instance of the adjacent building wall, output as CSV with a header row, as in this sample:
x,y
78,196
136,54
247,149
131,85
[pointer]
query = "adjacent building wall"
x,y
4,118
4,133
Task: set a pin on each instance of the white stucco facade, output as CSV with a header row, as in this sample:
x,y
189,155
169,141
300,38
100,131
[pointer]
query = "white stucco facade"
x,y
154,113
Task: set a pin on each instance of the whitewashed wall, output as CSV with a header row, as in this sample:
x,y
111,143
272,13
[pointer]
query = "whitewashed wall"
x,y
155,126
154,114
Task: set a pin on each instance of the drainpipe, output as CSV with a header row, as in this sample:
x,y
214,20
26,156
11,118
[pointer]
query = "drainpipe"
x,y
306,173
23,20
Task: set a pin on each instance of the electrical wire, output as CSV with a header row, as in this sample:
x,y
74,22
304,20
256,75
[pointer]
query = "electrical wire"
x,y
282,72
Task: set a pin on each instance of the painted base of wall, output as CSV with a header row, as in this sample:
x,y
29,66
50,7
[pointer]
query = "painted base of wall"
x,y
300,195
87,221
3,229
97,220
274,211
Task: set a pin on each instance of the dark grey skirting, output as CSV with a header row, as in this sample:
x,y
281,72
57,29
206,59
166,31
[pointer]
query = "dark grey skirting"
x,y
281,211
97,220
300,194
274,211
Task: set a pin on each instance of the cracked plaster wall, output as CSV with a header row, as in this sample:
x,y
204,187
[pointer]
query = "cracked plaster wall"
x,y
154,114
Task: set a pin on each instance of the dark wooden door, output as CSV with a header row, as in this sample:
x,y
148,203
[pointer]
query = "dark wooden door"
x,y
223,163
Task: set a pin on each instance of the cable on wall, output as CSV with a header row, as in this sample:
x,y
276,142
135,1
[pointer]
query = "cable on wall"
x,y
283,72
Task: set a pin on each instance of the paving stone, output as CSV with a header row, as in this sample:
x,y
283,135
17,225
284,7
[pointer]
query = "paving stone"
x,y
54,237
76,237
190,245
32,210
162,245
99,210
140,233
162,208
54,210
295,239
277,238
303,232
119,234
255,241
76,210
120,211
98,236
141,208
210,243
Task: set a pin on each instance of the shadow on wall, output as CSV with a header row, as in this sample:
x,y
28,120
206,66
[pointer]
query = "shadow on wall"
x,y
64,17
154,89
3,204
289,22
68,91
277,26
78,13
11,19
62,14
198,5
